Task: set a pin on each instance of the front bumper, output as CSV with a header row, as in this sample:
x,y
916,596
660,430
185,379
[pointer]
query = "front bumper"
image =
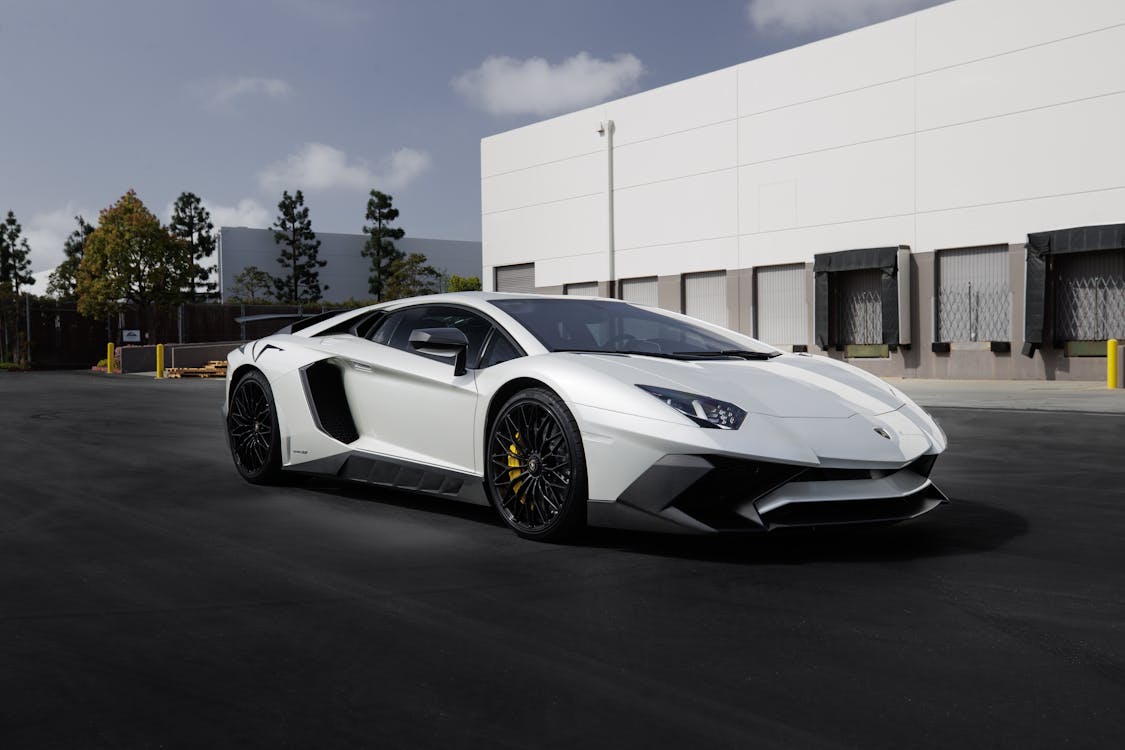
x,y
708,493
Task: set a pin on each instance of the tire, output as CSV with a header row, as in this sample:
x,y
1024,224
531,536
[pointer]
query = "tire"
x,y
535,473
252,432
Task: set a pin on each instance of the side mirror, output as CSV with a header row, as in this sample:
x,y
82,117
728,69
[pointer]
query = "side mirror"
x,y
442,342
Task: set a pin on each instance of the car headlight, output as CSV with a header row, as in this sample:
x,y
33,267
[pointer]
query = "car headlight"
x,y
704,411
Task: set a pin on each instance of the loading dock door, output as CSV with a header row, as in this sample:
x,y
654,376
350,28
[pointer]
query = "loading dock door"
x,y
858,306
973,294
1090,296
584,289
640,291
705,296
781,305
519,279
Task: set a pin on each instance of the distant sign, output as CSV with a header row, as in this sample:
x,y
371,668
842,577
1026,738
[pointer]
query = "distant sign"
x,y
131,335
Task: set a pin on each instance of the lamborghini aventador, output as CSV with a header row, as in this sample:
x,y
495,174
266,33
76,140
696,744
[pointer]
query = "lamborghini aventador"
x,y
566,411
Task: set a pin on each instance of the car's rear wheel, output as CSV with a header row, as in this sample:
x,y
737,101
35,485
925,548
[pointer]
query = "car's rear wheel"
x,y
255,442
536,471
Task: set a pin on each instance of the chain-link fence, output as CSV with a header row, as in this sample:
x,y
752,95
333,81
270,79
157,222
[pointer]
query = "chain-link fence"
x,y
974,312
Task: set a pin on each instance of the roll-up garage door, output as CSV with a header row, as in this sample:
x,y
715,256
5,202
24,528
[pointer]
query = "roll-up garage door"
x,y
1090,296
585,289
519,279
973,301
640,291
705,296
782,304
859,307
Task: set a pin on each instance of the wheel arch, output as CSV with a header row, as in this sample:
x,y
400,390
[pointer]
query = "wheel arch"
x,y
239,373
501,396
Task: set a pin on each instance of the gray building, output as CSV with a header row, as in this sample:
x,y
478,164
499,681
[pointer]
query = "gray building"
x,y
345,275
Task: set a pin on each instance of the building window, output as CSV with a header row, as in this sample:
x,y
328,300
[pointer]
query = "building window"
x,y
705,296
640,291
583,289
518,279
781,301
973,299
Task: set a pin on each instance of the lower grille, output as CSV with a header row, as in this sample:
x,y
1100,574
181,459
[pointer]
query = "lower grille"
x,y
829,512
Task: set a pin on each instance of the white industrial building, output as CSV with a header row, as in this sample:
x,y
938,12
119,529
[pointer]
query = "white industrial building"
x,y
344,275
939,195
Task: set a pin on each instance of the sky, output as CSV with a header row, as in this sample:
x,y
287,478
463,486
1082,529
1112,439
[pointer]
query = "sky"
x,y
237,100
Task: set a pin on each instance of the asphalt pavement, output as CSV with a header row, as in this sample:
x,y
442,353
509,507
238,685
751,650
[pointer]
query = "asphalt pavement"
x,y
151,598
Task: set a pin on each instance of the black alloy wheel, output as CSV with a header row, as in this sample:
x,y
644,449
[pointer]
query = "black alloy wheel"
x,y
252,430
536,472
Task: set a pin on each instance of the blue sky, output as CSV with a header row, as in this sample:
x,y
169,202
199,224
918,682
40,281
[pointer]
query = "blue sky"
x,y
237,99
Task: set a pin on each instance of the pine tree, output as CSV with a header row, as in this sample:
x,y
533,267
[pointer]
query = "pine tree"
x,y
15,271
411,277
298,257
380,246
191,224
64,278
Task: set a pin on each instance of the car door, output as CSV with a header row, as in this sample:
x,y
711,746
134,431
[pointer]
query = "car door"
x,y
409,405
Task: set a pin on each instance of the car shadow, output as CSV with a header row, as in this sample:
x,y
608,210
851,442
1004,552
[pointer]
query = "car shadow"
x,y
962,527
959,528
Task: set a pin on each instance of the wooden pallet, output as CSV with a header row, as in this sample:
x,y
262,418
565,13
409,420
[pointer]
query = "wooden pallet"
x,y
216,368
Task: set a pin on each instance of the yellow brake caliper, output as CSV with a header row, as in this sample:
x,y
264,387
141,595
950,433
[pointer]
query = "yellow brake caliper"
x,y
514,472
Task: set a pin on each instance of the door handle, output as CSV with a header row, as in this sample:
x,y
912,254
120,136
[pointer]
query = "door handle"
x,y
362,367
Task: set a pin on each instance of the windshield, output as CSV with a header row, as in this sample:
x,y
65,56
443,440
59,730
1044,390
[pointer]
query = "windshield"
x,y
593,325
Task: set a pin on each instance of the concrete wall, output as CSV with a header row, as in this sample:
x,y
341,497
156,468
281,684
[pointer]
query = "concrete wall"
x,y
345,274
967,124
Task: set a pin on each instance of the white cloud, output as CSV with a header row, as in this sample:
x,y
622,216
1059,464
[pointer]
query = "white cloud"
x,y
46,233
246,213
806,16
507,86
225,92
316,166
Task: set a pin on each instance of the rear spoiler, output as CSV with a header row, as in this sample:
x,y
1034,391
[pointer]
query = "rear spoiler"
x,y
303,320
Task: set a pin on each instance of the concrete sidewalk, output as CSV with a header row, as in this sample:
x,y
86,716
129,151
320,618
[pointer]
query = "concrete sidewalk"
x,y
1023,395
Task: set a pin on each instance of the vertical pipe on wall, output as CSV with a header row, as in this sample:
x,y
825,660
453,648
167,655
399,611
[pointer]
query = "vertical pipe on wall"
x,y
606,129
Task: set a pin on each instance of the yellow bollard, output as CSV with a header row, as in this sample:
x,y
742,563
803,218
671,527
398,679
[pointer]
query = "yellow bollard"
x,y
160,360
1111,363
109,357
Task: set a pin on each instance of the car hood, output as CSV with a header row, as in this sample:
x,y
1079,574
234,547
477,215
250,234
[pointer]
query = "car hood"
x,y
789,385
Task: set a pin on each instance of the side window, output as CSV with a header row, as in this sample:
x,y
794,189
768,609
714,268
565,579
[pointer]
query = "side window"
x,y
498,350
395,329
385,328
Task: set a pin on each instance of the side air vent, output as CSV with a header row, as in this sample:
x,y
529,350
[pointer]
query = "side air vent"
x,y
324,387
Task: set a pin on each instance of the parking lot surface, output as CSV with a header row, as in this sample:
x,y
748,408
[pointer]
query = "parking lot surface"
x,y
151,598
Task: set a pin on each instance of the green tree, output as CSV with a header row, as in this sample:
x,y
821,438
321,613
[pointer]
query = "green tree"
x,y
130,258
380,245
411,277
191,224
298,257
64,278
15,271
252,286
463,284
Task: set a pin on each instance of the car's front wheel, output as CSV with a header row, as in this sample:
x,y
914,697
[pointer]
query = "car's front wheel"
x,y
252,431
536,472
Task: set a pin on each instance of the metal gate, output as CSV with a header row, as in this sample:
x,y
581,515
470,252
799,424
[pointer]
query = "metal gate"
x,y
857,304
973,295
1090,296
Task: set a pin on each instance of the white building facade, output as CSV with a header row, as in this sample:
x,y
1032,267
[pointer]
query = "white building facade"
x,y
939,195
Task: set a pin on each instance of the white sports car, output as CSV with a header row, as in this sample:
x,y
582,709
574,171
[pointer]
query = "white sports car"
x,y
563,411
